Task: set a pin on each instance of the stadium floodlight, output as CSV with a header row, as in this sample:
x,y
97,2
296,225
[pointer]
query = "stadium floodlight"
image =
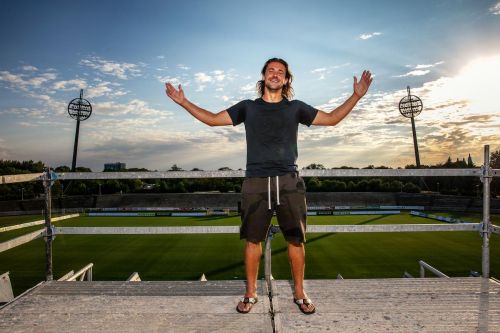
x,y
79,109
410,106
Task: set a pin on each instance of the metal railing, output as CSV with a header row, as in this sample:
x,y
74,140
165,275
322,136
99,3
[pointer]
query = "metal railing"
x,y
485,227
425,266
84,274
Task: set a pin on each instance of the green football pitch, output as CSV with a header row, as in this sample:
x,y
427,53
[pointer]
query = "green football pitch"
x,y
187,257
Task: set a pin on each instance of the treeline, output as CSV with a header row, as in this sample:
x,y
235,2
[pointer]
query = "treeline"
x,y
470,186
26,190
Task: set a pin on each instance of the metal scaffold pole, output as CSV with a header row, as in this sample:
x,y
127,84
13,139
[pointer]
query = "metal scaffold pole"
x,y
486,225
267,254
48,226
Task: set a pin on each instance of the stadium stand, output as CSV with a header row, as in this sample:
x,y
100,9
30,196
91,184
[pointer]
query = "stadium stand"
x,y
230,200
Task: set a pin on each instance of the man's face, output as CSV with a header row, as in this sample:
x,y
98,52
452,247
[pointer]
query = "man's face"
x,y
274,77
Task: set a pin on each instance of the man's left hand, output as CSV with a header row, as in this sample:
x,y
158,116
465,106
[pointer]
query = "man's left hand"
x,y
361,87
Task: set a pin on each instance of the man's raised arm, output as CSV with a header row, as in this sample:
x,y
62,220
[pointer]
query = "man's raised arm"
x,y
212,119
334,117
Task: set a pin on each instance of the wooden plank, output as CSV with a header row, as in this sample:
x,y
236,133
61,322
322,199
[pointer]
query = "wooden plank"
x,y
392,305
21,240
372,305
147,306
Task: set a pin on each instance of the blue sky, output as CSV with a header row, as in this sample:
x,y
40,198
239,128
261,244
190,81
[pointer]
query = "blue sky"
x,y
121,53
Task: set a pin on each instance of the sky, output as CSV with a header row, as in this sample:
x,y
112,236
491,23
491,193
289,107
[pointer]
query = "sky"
x,y
122,53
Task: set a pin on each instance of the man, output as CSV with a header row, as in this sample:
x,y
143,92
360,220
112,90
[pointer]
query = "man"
x,y
272,182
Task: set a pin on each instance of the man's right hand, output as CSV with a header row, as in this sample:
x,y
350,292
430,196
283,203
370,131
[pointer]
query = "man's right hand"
x,y
176,95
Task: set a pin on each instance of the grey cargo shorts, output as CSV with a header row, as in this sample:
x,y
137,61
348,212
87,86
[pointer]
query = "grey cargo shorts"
x,y
260,199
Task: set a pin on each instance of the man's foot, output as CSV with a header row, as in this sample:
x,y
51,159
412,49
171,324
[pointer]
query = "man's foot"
x,y
246,304
305,305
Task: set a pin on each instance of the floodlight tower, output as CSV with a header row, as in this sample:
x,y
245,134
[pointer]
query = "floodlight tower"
x,y
410,106
79,109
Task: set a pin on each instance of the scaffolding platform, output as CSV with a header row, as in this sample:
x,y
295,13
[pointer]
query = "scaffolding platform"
x,y
371,305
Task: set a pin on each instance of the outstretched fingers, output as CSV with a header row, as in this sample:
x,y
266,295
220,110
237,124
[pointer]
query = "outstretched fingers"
x,y
367,77
361,87
169,88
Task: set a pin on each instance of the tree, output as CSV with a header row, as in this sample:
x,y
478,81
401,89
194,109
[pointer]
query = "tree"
x,y
314,184
495,164
411,188
62,168
175,168
495,159
315,166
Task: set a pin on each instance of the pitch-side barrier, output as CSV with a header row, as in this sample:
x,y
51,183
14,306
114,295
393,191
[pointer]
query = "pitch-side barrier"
x,y
485,228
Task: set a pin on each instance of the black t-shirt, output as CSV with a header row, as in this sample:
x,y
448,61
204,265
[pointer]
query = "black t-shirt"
x,y
271,133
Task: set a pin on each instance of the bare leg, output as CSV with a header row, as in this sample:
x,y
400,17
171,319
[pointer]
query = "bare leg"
x,y
297,258
253,252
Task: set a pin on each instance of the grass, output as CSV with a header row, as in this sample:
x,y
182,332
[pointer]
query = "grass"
x,y
6,221
186,257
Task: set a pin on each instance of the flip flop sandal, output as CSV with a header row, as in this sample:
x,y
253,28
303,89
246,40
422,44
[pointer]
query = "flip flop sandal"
x,y
305,301
247,300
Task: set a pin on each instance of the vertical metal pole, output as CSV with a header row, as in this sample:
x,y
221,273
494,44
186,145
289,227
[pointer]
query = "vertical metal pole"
x,y
48,228
75,148
267,254
267,259
415,145
486,232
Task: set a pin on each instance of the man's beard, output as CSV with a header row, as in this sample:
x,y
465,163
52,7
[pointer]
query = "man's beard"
x,y
273,89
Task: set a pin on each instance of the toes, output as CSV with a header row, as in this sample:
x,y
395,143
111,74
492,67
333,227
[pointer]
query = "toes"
x,y
309,308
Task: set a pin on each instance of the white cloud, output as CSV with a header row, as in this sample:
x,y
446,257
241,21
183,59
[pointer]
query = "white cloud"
x,y
495,9
202,77
135,107
11,78
99,90
174,80
200,88
429,65
104,88
319,70
249,87
29,68
460,115
183,67
369,35
417,72
41,79
70,84
26,124
24,82
4,151
322,72
119,70
218,75
160,57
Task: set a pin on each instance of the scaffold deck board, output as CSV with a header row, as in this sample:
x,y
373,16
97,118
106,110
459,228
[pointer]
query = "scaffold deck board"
x,y
147,306
392,305
371,305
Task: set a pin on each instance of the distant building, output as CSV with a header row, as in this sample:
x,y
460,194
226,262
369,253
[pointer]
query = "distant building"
x,y
115,166
470,164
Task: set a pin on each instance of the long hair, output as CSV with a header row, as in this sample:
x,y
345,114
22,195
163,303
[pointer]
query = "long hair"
x,y
287,91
